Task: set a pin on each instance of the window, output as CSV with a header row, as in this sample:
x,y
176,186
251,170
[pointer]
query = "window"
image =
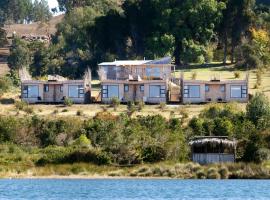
x,y
222,88
30,91
46,88
75,91
148,71
207,89
156,72
157,91
238,91
61,88
110,91
126,88
192,91
142,88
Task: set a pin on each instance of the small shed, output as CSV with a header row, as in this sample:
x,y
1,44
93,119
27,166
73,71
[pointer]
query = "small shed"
x,y
212,149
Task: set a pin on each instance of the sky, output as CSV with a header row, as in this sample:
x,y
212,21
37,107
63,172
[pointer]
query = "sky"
x,y
53,3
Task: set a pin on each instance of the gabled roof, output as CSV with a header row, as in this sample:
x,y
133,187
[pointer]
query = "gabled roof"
x,y
166,60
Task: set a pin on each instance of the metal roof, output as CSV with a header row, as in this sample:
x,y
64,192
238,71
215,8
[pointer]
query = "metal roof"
x,y
165,60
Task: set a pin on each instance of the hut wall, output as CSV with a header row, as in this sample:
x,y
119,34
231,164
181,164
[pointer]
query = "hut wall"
x,y
206,158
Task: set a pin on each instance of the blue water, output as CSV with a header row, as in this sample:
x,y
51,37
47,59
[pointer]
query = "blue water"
x,y
134,189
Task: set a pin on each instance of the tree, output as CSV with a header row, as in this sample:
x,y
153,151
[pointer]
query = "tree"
x,y
19,55
258,107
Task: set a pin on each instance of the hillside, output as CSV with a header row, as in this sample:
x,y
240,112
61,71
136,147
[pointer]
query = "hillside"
x,y
35,28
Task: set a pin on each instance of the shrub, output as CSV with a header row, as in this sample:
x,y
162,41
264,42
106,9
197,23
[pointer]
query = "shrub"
x,y
200,174
68,102
29,110
21,105
257,108
162,106
131,107
55,111
236,74
194,75
258,77
82,141
115,102
140,105
224,172
79,113
65,110
212,173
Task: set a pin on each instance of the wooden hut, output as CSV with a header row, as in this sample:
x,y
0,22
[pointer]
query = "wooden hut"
x,y
212,149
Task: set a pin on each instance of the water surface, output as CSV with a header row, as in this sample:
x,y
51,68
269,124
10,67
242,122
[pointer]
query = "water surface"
x,y
134,189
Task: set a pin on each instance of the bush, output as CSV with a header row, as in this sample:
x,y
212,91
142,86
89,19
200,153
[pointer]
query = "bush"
x,y
236,74
140,105
162,106
212,173
115,102
258,108
259,77
68,102
21,105
82,141
79,113
194,75
224,172
65,110
200,174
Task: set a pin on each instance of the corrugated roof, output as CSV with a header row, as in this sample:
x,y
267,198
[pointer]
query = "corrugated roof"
x,y
124,62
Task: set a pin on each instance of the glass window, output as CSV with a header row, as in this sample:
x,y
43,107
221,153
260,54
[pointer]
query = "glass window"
x,y
126,88
142,88
113,91
32,91
46,88
236,91
105,91
61,88
148,71
162,91
154,91
194,91
222,88
73,91
156,72
207,89
81,91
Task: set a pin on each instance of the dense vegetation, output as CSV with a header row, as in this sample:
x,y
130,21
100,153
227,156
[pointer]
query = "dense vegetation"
x,y
125,140
190,31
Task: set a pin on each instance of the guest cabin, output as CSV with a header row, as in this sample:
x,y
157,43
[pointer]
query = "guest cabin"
x,y
214,90
212,149
55,90
136,80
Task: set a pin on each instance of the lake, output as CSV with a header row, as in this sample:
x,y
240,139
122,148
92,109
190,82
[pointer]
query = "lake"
x,y
133,189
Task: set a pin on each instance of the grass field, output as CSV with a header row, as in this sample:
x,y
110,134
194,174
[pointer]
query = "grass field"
x,y
4,52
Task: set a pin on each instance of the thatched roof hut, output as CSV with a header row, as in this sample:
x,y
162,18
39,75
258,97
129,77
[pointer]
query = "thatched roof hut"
x,y
209,149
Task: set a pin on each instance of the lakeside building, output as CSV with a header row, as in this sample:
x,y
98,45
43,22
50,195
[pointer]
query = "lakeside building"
x,y
136,80
212,149
56,89
214,90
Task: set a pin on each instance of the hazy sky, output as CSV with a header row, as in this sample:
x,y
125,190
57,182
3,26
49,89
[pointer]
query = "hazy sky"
x,y
53,3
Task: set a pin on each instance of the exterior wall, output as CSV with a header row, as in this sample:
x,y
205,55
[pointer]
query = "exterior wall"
x,y
54,95
207,158
201,99
32,100
214,91
134,93
228,93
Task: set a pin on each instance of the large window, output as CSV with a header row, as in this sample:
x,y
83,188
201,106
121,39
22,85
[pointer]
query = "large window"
x,y
192,91
110,91
75,91
46,88
126,88
157,91
148,71
156,72
30,91
238,91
